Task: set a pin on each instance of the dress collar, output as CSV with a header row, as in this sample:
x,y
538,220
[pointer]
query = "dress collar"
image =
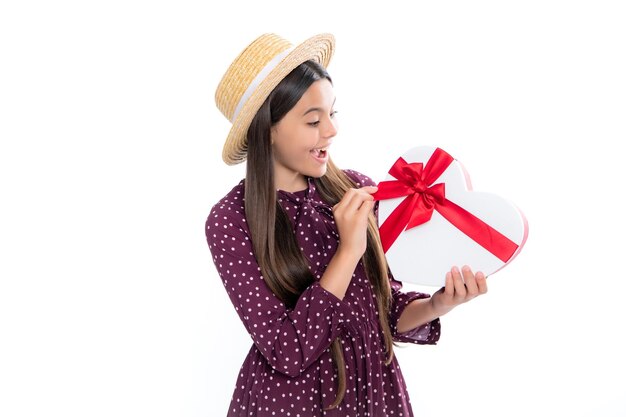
x,y
308,197
298,197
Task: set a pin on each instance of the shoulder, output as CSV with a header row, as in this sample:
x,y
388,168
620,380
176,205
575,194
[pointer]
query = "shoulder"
x,y
229,211
359,178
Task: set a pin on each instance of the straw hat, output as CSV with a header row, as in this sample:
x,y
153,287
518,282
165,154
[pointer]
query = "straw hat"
x,y
253,75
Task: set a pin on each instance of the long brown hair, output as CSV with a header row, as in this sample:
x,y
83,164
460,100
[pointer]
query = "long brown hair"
x,y
276,249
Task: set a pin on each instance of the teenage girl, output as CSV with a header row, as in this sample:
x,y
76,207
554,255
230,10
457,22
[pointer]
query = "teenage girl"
x,y
296,245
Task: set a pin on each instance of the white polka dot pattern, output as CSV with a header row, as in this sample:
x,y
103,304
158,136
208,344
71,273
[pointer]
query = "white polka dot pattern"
x,y
289,370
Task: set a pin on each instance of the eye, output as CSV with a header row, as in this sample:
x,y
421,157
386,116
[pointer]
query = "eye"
x,y
317,122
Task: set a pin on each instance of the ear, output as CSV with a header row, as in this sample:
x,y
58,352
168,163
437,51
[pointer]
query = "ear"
x,y
272,134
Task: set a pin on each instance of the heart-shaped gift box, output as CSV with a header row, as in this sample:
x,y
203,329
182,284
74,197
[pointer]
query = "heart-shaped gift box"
x,y
430,220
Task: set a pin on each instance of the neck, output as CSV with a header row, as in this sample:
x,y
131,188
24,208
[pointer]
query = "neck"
x,y
290,183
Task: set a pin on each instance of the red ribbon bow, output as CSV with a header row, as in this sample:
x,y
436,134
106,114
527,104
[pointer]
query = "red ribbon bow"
x,y
414,180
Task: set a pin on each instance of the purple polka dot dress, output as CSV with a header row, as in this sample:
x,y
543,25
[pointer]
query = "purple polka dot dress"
x,y
289,370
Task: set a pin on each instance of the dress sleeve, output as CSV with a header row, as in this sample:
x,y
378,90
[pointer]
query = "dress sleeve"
x,y
290,339
428,333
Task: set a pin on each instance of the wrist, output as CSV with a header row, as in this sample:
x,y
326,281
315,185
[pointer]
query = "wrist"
x,y
437,309
348,255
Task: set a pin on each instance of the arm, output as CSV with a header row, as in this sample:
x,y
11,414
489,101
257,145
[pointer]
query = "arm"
x,y
419,325
418,312
414,316
290,339
350,215
458,290
338,273
411,318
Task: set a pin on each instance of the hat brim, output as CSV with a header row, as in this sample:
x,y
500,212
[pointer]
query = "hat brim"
x,y
319,48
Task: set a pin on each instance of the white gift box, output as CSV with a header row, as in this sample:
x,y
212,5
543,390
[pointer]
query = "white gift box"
x,y
430,220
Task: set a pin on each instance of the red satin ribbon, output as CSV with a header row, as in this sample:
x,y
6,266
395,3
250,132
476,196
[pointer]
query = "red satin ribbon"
x,y
414,181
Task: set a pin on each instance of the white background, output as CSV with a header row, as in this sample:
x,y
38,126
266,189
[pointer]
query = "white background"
x,y
110,304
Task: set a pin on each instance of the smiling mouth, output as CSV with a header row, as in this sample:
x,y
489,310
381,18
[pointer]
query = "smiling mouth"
x,y
320,152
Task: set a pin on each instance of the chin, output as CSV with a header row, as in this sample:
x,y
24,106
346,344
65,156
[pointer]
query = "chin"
x,y
317,173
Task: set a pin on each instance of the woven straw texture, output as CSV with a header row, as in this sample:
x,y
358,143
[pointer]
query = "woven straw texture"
x,y
243,71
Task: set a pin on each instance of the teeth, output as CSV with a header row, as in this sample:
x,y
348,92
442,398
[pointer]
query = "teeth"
x,y
319,151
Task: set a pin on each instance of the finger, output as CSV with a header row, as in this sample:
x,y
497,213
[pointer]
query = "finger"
x,y
366,208
353,200
470,281
370,189
352,192
348,195
345,200
357,201
449,288
481,282
459,286
363,211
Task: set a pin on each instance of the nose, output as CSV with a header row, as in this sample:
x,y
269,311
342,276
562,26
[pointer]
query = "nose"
x,y
330,129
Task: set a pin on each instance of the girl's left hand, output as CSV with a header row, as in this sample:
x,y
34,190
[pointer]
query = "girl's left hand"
x,y
458,290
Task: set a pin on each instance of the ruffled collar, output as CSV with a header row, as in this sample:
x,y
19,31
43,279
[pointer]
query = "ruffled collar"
x,y
308,196
298,197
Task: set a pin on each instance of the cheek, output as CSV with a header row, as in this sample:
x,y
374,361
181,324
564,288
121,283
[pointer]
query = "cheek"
x,y
302,141
290,151
295,142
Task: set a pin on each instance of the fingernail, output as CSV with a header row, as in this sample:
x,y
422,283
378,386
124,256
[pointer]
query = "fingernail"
x,y
455,269
466,268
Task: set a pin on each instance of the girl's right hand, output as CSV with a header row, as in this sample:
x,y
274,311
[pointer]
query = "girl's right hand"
x,y
351,218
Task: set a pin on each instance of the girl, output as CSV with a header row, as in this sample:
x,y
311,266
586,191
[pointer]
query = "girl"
x,y
296,245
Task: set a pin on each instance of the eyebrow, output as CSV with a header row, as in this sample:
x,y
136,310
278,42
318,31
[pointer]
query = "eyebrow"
x,y
317,108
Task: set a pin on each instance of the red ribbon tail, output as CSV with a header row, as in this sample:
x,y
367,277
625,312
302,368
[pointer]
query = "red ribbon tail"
x,y
391,189
395,224
483,234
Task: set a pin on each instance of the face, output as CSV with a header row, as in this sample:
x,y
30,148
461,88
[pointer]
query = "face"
x,y
301,139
